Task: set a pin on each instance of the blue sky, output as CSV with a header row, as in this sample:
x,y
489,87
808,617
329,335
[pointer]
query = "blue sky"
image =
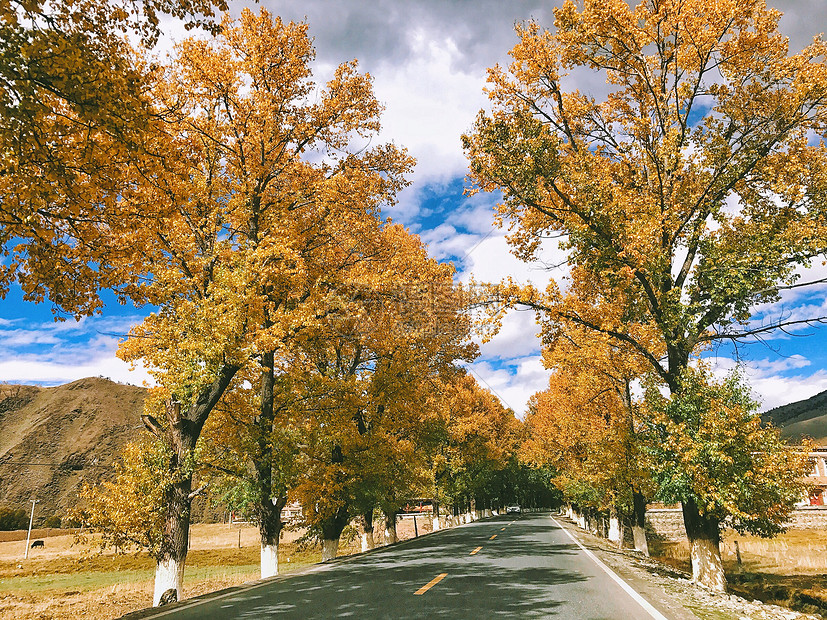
x,y
428,59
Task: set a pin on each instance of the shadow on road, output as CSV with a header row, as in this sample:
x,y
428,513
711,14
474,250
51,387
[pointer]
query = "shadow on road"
x,y
504,578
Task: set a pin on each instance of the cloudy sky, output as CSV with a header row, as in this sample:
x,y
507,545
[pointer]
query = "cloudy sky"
x,y
429,60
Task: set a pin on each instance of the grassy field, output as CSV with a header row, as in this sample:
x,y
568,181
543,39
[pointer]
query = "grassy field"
x,y
64,580
790,570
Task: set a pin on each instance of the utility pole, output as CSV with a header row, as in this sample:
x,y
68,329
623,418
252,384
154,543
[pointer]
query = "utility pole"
x,y
29,535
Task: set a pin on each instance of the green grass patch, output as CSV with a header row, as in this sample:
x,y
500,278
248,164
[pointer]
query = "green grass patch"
x,y
81,582
101,571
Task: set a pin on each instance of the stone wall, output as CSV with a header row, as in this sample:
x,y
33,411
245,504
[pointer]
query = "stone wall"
x,y
667,523
814,518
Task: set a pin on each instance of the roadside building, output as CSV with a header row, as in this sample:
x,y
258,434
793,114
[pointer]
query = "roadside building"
x,y
817,479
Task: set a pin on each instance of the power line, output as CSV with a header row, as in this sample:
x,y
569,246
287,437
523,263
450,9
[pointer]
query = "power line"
x,y
497,394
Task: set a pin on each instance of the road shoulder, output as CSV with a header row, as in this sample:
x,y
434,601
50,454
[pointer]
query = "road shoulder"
x,y
669,590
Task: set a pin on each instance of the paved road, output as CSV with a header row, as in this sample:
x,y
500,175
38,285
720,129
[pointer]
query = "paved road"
x,y
508,567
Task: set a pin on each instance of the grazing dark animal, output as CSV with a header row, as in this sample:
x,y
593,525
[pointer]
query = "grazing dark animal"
x,y
38,543
170,596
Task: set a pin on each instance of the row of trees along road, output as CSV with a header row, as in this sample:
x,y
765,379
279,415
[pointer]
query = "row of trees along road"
x,y
301,345
687,195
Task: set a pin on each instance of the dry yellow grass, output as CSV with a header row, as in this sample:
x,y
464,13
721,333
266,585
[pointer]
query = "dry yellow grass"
x,y
789,570
794,551
65,580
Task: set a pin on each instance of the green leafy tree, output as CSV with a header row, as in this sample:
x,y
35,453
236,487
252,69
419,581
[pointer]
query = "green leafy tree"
x,y
712,453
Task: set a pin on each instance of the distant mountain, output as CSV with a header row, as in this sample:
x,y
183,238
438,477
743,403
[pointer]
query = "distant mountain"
x,y
805,418
52,439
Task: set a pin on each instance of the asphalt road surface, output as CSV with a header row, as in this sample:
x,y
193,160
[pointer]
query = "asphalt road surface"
x,y
512,566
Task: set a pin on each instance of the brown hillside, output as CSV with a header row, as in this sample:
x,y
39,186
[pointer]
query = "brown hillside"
x,y
51,439
804,418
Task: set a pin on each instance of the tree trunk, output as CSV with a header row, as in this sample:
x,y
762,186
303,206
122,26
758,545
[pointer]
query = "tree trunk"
x,y
639,523
436,525
704,536
390,528
181,434
367,531
272,497
614,528
269,527
330,548
269,559
169,574
172,556
331,530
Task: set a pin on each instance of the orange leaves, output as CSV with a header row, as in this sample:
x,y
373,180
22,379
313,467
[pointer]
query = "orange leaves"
x,y
694,169
77,135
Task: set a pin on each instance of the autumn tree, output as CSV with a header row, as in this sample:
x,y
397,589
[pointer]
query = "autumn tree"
x,y
592,380
74,114
711,450
585,426
306,199
480,437
139,482
694,188
257,208
372,369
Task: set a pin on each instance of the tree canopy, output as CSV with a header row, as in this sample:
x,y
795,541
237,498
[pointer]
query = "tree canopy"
x,y
687,194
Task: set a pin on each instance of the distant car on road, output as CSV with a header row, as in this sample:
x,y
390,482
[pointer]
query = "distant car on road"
x,y
513,509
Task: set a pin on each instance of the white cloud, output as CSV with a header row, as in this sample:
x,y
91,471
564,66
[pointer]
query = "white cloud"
x,y
767,366
513,384
430,100
776,390
770,381
51,353
24,370
518,338
24,337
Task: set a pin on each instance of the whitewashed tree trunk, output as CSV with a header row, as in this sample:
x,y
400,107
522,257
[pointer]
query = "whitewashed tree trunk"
x,y
704,547
367,541
436,526
614,529
367,530
329,549
641,544
390,533
168,575
707,568
269,560
639,523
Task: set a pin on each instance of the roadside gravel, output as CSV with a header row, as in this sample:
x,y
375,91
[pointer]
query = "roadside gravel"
x,y
670,590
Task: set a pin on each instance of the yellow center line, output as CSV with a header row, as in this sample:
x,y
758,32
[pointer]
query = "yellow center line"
x,y
493,537
502,529
475,551
431,583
